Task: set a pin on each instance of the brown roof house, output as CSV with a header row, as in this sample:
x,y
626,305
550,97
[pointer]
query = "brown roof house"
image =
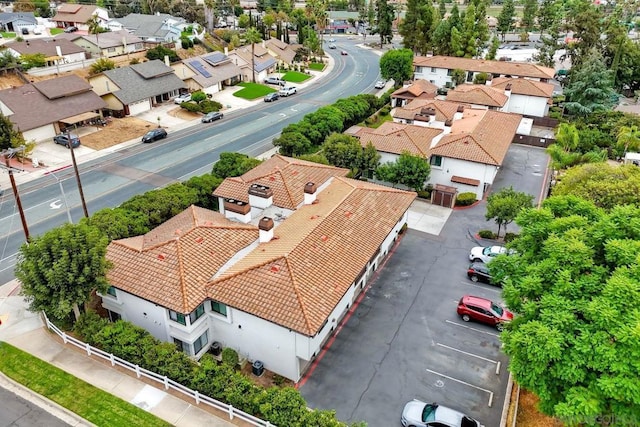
x,y
264,63
57,52
439,69
420,89
208,73
111,43
59,102
481,96
285,53
428,112
270,281
527,97
77,15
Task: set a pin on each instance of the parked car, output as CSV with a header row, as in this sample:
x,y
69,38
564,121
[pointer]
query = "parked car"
x,y
332,46
344,53
273,96
275,81
63,139
185,97
71,29
212,117
484,311
24,31
154,135
380,84
420,414
332,40
37,31
479,272
486,253
287,90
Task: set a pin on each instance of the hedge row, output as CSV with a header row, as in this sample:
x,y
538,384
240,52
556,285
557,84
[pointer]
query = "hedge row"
x,y
280,406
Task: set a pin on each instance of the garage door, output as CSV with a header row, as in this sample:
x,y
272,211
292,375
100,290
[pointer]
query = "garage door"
x,y
139,107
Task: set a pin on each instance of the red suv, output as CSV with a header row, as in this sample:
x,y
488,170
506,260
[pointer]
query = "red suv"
x,y
484,311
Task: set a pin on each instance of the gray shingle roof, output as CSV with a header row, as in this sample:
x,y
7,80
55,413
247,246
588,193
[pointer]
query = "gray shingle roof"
x,y
148,26
27,17
224,69
45,46
112,38
142,81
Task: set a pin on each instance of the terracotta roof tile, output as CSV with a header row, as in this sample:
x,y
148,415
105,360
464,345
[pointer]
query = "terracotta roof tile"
x,y
284,175
522,69
171,264
397,138
524,86
416,89
478,95
297,279
445,110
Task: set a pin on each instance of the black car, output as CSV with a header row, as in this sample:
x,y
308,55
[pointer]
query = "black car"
x,y
25,31
154,135
478,271
212,117
63,139
71,29
273,96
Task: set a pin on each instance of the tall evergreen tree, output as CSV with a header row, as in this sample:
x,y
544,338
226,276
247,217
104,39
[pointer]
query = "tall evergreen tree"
x,y
442,38
548,15
442,8
505,19
590,87
384,27
529,14
468,35
409,26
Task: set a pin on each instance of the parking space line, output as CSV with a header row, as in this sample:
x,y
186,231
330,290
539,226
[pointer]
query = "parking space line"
x,y
465,383
497,362
473,329
484,288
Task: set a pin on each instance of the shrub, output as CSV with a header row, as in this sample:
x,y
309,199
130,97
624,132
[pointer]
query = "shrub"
x,y
198,96
191,106
424,194
209,105
466,199
555,115
134,61
230,357
385,110
508,237
487,234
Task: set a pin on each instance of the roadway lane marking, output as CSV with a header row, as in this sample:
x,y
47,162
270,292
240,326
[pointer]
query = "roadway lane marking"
x,y
496,362
473,329
465,383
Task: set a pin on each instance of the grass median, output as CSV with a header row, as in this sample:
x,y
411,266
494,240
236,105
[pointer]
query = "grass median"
x,y
89,402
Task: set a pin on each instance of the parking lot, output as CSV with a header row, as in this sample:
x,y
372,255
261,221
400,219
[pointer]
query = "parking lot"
x,y
405,340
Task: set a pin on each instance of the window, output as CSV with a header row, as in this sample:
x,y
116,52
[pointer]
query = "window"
x,y
436,161
113,316
179,344
200,343
196,314
218,307
111,49
433,69
449,72
112,291
177,317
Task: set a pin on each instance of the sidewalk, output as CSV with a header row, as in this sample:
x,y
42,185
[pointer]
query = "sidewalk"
x,y
26,331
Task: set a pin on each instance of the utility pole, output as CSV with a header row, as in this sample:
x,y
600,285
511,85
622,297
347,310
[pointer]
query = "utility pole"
x,y
7,156
75,168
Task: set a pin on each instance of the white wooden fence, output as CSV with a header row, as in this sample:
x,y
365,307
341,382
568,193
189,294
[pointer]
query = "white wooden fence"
x,y
166,382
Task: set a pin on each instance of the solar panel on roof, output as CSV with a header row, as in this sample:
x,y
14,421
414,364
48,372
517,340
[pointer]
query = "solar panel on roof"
x,y
200,68
214,58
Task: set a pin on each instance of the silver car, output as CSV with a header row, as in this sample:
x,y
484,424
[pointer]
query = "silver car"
x,y
486,254
420,414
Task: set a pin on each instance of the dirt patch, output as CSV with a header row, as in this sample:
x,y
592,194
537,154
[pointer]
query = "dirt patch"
x,y
183,114
528,414
115,132
267,379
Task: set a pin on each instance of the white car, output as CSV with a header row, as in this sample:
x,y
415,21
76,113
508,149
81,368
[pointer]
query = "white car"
x,y
380,84
486,253
420,414
185,97
37,31
332,40
287,90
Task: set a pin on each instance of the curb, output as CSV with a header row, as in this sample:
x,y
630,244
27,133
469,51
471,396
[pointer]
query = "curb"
x,y
507,402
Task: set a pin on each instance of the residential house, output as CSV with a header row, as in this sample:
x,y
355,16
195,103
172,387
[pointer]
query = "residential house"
x,y
59,102
263,63
137,88
260,278
106,45
77,15
419,89
285,53
14,22
439,69
428,112
160,28
56,51
527,97
208,73
481,96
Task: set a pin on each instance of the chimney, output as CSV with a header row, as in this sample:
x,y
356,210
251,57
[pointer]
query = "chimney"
x,y
226,51
260,196
489,80
58,51
447,126
310,191
266,229
236,209
507,90
459,113
166,61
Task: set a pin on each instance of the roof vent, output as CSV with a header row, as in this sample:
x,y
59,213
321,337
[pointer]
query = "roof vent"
x,y
324,238
200,239
162,257
274,269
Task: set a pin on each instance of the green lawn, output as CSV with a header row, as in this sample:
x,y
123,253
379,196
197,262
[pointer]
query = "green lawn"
x,y
295,77
8,35
379,120
55,31
91,403
252,91
316,66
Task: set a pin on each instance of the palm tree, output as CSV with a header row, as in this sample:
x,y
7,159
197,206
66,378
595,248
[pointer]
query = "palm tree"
x,y
628,139
95,28
253,36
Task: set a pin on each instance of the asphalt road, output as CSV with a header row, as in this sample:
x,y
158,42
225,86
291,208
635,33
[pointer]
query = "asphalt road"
x,y
114,178
15,411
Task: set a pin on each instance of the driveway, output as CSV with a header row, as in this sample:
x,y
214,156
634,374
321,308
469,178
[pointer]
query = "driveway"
x,y
404,339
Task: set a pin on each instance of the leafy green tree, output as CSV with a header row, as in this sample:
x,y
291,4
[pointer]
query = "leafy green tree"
x,y
590,88
159,52
315,157
409,170
42,8
585,20
628,139
326,120
32,60
243,21
252,36
60,269
505,18
94,28
573,282
548,15
342,150
292,144
9,137
369,160
442,38
233,164
418,25
504,206
160,205
397,64
493,49
458,76
604,185
442,8
118,223
547,50
384,24
457,47
205,185
387,172
529,13
102,64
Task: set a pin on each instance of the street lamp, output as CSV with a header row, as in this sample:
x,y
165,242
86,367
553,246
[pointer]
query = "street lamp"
x,y
64,196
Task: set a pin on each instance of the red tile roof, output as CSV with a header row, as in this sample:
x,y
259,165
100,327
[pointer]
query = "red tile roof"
x,y
445,110
397,138
297,279
478,95
521,69
524,86
418,88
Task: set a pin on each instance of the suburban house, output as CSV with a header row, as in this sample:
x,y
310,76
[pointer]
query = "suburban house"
x,y
77,15
14,22
56,51
427,112
283,52
137,88
60,102
439,69
527,97
419,89
264,63
159,28
112,43
481,96
259,277
208,73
